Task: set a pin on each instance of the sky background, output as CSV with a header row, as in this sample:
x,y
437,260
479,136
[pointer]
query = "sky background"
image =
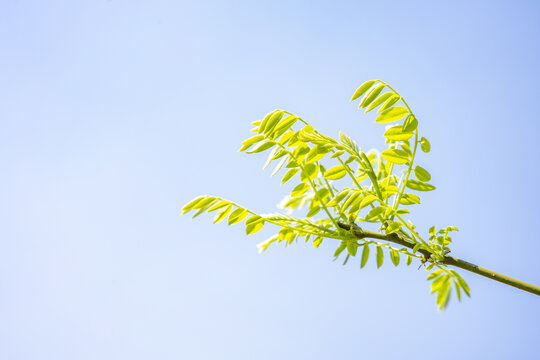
x,y
114,114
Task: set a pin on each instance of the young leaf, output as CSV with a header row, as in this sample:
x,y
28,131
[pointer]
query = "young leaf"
x,y
335,173
410,123
300,189
419,186
309,172
254,227
237,216
365,256
352,246
252,140
362,89
189,206
289,174
375,212
434,274
392,227
395,156
397,133
372,95
317,242
422,174
222,213
409,199
425,145
265,145
380,256
340,249
381,99
394,255
389,103
392,114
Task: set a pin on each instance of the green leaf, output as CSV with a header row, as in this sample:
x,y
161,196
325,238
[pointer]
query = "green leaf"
x,y
252,140
362,89
409,260
438,282
222,213
410,123
394,255
392,114
409,199
340,249
365,256
237,216
397,133
317,242
392,227
314,211
444,295
434,274
367,200
309,172
340,196
462,283
337,153
380,256
381,99
218,205
372,95
289,174
265,145
189,206
335,173
395,156
458,290
352,246
422,174
390,102
375,212
265,121
254,227
419,186
316,154
274,119
285,123
204,203
300,189
425,145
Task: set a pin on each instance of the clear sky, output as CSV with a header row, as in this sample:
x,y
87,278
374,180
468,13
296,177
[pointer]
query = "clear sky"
x,y
116,113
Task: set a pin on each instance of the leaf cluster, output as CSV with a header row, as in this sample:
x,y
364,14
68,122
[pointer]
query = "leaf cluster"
x,y
337,183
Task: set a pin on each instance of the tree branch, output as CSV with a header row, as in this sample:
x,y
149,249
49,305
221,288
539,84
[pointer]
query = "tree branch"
x,y
448,260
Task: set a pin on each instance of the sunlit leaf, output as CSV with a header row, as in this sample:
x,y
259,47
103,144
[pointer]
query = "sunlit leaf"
x,y
419,186
422,174
392,227
365,256
362,89
396,133
389,103
381,99
410,123
309,172
392,114
425,145
380,256
372,95
375,212
394,256
264,145
289,174
352,246
237,216
409,199
395,156
335,173
191,204
300,189
317,242
222,213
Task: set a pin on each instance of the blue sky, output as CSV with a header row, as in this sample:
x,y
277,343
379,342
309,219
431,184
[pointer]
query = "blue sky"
x,y
114,114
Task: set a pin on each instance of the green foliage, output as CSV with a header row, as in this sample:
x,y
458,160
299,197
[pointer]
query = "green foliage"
x,y
338,185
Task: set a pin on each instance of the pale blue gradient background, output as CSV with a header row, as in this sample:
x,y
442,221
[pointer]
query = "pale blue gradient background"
x,y
115,114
